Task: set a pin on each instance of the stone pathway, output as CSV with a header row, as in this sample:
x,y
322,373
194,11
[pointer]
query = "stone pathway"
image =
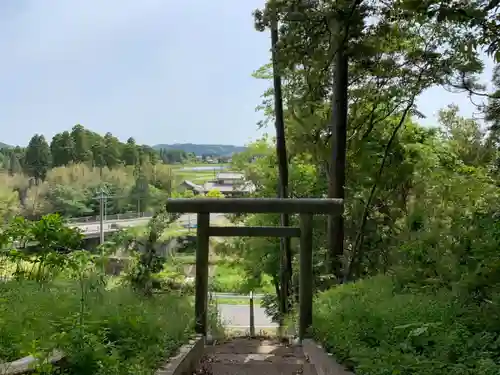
x,y
245,356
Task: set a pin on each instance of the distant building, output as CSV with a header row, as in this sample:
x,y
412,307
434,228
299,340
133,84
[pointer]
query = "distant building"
x,y
228,183
188,185
229,178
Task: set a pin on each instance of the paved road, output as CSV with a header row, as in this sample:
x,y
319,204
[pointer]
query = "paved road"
x,y
186,219
239,316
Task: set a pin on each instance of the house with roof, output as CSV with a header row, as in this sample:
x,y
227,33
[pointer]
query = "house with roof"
x,y
228,183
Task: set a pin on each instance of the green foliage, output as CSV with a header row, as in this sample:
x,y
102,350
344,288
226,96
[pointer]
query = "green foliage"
x,y
9,203
421,204
180,151
232,277
112,146
67,176
69,200
37,158
71,190
378,330
50,240
82,143
14,166
120,332
147,263
62,149
130,154
172,156
79,146
59,298
214,193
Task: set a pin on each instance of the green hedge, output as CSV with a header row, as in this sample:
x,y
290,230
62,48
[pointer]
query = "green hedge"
x,y
376,331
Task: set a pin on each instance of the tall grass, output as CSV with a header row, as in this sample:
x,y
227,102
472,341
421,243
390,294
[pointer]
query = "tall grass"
x,y
377,330
230,277
101,331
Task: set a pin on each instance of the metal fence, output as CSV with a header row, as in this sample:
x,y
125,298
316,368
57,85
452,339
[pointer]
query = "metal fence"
x,y
123,216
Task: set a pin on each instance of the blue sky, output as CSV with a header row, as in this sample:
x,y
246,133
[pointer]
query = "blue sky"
x,y
162,71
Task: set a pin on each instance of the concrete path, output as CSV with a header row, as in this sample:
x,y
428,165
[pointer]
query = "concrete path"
x,y
238,316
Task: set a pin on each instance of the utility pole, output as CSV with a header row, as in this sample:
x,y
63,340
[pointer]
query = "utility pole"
x,y
101,216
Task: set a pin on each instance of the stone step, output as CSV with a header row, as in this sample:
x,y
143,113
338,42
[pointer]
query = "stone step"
x,y
254,346
261,369
229,358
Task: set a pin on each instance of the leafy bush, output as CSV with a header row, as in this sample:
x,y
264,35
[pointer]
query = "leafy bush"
x,y
377,331
101,331
231,277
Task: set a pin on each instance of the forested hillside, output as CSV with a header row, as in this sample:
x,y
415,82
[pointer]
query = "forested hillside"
x,y
80,145
67,174
202,149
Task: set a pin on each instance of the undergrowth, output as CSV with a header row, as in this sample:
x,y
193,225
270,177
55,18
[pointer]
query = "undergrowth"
x,y
231,277
101,332
376,329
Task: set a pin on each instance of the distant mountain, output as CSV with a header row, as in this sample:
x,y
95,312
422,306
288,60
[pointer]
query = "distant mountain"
x,y
5,145
199,149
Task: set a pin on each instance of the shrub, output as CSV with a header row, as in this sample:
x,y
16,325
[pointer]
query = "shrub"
x,y
376,331
102,332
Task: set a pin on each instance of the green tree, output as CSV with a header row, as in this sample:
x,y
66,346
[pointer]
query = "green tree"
x,y
37,158
466,138
147,155
68,201
130,154
99,154
14,164
112,151
391,59
140,194
62,149
9,203
82,145
173,156
305,181
4,161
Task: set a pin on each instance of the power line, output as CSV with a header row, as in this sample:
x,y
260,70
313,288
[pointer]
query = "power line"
x,y
102,197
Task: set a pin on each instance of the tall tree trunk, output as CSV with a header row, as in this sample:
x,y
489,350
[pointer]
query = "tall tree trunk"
x,y
357,254
285,248
337,166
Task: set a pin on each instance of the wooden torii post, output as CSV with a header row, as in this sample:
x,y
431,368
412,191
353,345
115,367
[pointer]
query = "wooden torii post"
x,y
305,207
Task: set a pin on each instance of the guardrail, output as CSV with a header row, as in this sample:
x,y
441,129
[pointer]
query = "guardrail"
x,y
235,296
123,216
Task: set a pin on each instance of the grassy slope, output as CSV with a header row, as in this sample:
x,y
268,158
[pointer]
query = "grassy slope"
x,y
118,331
377,330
